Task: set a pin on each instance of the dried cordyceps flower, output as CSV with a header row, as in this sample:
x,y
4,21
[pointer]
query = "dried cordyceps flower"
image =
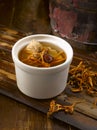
x,y
55,107
82,77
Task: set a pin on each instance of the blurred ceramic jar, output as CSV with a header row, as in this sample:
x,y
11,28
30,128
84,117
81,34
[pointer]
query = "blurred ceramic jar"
x,y
75,19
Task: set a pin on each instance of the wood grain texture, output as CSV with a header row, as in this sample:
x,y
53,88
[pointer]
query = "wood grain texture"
x,y
83,111
17,116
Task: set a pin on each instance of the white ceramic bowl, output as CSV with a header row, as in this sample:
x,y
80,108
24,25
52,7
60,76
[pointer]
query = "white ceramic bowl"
x,y
38,82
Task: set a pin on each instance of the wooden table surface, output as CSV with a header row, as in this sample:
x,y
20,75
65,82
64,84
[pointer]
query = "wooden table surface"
x,y
16,116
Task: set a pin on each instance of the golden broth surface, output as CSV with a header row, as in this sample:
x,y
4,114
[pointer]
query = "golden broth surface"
x,y
42,55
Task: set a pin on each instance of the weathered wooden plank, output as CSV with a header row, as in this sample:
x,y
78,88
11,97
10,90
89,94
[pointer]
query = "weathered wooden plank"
x,y
9,75
5,45
7,66
12,32
7,38
5,54
83,105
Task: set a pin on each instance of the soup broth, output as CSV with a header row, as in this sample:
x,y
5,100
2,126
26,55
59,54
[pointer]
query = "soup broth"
x,y
40,54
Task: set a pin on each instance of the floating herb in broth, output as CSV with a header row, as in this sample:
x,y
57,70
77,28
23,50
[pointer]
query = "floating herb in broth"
x,y
42,54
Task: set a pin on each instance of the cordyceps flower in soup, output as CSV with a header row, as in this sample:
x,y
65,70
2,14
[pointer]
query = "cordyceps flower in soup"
x,y
41,54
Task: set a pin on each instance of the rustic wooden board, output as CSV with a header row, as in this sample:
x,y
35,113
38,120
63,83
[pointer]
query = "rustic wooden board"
x,y
84,114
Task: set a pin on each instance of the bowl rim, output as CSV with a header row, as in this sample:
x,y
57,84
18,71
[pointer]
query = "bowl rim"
x,y
20,63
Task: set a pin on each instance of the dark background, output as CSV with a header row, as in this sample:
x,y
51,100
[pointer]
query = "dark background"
x,y
25,15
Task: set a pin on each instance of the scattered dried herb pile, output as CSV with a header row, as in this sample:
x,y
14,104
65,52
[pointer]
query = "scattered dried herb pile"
x,y
81,77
